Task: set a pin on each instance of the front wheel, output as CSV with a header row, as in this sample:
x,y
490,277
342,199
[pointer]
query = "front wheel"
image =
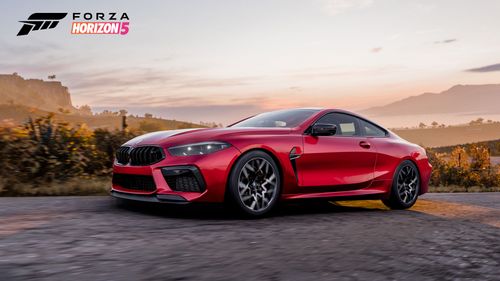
x,y
405,186
254,184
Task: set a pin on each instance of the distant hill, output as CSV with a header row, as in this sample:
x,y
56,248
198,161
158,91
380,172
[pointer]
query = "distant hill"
x,y
477,99
22,98
453,135
44,95
18,114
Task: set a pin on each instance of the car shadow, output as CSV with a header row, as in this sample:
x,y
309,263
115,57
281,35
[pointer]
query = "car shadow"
x,y
221,212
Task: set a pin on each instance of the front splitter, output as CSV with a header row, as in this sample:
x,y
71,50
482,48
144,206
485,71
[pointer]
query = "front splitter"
x,y
155,198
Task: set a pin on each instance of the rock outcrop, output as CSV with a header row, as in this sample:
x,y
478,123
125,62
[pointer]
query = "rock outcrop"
x,y
37,93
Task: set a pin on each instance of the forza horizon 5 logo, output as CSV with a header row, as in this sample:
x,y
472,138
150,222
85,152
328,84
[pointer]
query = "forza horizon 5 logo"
x,y
83,23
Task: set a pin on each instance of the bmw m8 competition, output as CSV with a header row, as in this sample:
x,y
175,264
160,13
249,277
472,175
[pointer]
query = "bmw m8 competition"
x,y
280,155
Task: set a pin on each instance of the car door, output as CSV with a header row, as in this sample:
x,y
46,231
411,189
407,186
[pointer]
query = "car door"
x,y
342,161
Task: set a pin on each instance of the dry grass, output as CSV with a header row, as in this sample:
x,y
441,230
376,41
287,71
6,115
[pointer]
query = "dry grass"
x,y
456,188
454,135
76,186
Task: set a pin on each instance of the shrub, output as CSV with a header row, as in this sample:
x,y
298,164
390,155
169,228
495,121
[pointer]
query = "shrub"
x,y
466,167
42,153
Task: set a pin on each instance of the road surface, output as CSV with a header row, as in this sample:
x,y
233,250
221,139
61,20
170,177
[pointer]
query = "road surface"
x,y
443,237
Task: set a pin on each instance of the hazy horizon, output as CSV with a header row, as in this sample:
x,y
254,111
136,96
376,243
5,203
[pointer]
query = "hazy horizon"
x,y
224,60
236,114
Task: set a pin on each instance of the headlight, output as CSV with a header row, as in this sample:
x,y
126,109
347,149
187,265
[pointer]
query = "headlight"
x,y
200,148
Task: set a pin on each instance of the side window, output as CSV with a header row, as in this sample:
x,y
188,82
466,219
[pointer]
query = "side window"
x,y
372,130
347,125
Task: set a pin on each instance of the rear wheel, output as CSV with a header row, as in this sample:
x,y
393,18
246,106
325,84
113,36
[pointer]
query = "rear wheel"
x,y
405,186
254,184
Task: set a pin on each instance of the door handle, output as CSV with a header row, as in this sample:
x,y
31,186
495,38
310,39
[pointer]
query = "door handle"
x,y
364,144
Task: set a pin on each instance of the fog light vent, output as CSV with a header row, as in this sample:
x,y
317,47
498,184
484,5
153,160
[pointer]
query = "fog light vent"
x,y
184,179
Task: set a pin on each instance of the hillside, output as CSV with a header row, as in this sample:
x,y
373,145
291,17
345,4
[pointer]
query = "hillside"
x,y
17,114
44,95
448,136
477,99
493,146
22,98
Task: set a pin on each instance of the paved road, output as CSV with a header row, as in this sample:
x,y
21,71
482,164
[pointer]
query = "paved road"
x,y
444,237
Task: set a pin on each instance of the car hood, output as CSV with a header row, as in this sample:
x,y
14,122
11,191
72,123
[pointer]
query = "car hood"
x,y
185,136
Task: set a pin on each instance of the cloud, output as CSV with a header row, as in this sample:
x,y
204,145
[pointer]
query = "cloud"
x,y
329,72
36,48
335,7
447,41
488,68
376,50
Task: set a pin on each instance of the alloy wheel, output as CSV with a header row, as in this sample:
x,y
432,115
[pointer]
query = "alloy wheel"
x,y
257,184
407,184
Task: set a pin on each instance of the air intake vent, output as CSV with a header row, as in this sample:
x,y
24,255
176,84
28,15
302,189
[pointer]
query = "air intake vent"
x,y
184,179
134,182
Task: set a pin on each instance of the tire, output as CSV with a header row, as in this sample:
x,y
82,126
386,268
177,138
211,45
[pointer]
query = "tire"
x,y
254,184
405,187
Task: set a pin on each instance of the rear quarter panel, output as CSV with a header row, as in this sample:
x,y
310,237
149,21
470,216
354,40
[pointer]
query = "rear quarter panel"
x,y
391,151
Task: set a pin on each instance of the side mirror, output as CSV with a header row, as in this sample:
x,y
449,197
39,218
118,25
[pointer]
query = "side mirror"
x,y
323,129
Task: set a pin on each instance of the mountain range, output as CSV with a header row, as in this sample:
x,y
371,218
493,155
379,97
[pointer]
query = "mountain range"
x,y
459,99
468,99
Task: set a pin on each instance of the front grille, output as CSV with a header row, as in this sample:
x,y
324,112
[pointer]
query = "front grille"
x,y
134,182
139,156
145,155
184,179
122,156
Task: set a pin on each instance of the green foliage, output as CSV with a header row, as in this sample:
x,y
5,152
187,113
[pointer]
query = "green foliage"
x,y
43,152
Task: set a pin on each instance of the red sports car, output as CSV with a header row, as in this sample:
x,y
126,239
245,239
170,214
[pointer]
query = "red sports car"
x,y
279,155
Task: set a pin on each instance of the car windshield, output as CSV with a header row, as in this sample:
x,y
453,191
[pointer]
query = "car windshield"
x,y
281,119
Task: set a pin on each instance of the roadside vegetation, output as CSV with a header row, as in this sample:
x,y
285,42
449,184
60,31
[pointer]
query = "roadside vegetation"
x,y
44,157
49,157
466,168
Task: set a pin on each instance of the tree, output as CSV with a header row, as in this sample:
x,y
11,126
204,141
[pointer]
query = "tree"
x,y
480,157
434,124
123,112
459,158
148,115
422,125
85,110
478,121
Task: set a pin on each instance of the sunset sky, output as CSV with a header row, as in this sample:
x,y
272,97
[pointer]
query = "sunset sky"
x,y
220,60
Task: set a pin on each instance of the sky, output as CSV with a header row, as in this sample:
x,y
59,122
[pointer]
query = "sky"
x,y
221,60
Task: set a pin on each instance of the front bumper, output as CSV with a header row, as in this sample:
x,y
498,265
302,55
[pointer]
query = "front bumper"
x,y
154,198
211,171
